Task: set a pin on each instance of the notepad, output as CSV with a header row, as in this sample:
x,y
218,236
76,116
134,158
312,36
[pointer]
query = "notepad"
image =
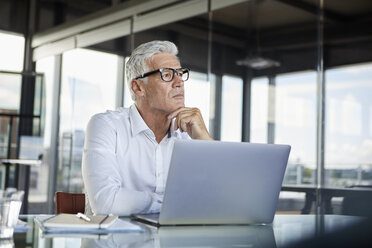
x,y
71,221
59,224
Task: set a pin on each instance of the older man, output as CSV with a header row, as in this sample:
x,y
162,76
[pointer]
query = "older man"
x,y
127,152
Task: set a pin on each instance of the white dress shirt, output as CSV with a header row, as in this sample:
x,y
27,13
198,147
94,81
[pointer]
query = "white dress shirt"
x,y
124,168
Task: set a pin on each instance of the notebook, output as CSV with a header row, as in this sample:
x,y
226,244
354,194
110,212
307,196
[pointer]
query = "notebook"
x,y
214,182
68,223
71,221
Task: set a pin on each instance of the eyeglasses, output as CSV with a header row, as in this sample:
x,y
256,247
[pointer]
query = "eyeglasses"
x,y
167,74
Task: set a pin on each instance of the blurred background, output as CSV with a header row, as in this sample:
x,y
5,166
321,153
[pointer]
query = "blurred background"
x,y
295,72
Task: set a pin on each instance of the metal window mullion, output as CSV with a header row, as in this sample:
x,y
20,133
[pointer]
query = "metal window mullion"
x,y
10,131
217,107
53,154
119,102
246,115
271,111
320,110
217,79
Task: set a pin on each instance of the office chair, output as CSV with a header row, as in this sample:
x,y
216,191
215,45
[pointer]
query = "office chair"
x,y
69,203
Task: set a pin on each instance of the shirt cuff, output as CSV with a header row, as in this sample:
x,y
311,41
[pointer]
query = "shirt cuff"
x,y
156,203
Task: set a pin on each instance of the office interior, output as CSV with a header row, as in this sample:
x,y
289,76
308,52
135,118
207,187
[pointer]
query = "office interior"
x,y
264,71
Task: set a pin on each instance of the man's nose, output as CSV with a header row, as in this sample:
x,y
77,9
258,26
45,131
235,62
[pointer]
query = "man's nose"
x,y
178,82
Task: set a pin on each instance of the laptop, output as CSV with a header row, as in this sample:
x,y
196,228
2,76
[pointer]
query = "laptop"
x,y
215,182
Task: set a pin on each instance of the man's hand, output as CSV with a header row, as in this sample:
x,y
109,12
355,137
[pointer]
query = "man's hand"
x,y
191,121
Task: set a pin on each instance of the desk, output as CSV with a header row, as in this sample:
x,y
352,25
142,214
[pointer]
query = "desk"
x,y
285,230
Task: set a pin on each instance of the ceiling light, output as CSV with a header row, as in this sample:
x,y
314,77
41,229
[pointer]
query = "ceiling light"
x,y
258,63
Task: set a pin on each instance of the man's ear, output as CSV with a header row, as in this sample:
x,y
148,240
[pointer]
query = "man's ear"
x,y
137,87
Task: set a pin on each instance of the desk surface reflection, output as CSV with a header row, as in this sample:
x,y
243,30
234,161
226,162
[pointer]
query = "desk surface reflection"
x,y
192,236
285,230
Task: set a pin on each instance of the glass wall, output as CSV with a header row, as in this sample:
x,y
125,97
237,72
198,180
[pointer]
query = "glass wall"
x,y
11,60
10,98
127,96
278,59
259,110
11,50
12,145
347,139
284,112
293,115
89,80
197,94
10,84
349,126
11,64
295,124
232,108
41,181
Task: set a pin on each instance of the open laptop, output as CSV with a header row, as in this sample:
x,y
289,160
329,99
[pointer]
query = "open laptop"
x,y
214,182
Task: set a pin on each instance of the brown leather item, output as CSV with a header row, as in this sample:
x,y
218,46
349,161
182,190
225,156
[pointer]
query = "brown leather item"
x,y
70,203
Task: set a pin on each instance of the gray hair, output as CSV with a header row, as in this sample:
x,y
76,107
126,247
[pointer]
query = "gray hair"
x,y
136,64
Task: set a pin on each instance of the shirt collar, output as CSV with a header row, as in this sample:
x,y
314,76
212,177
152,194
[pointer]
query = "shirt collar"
x,y
138,124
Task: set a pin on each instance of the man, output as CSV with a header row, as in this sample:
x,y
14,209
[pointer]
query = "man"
x,y
127,152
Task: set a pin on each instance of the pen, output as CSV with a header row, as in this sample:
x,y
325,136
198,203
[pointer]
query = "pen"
x,y
83,216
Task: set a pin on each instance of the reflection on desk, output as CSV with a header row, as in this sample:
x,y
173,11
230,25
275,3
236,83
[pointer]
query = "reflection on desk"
x,y
286,230
192,236
291,229
120,240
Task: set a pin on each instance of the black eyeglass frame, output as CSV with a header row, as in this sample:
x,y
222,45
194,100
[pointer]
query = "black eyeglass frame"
x,y
160,70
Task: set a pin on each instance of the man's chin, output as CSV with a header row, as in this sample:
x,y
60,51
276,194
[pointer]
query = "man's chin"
x,y
181,105
177,106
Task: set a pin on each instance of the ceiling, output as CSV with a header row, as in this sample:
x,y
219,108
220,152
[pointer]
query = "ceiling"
x,y
256,14
262,14
280,29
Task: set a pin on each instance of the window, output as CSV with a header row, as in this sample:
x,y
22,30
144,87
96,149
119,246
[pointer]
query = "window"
x,y
348,141
10,95
232,108
285,110
11,60
127,96
11,50
295,124
197,94
39,187
259,109
89,81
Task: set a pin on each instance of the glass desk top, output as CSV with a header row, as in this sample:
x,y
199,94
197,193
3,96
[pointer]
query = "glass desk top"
x,y
283,232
